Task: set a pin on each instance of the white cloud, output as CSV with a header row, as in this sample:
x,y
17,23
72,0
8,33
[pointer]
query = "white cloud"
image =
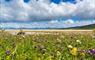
x,y
53,21
44,10
85,9
69,21
48,24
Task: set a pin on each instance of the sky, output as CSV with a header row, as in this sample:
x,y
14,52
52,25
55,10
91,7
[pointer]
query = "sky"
x,y
47,13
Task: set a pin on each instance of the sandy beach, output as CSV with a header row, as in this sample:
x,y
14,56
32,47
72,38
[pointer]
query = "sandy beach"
x,y
50,31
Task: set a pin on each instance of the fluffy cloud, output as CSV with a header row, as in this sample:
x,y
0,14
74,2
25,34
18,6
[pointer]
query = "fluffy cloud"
x,y
85,9
45,10
47,24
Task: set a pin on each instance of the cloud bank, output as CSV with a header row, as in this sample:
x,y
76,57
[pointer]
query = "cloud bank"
x,y
43,25
45,10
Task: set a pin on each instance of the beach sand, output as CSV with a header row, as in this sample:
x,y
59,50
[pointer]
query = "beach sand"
x,y
50,31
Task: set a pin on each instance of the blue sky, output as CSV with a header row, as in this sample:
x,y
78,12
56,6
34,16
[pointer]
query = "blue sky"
x,y
55,1
58,1
58,13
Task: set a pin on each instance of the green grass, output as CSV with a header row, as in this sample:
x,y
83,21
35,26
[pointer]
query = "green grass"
x,y
92,26
44,47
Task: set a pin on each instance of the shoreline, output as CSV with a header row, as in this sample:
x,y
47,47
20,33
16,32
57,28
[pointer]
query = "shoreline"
x,y
43,32
48,30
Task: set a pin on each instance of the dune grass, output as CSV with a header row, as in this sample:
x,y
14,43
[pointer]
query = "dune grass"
x,y
55,46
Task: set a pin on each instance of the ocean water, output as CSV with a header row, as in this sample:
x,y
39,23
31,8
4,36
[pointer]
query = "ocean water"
x,y
54,24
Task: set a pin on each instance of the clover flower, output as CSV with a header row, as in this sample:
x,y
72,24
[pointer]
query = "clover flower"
x,y
7,52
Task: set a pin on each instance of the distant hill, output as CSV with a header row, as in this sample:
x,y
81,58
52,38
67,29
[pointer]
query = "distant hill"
x,y
92,26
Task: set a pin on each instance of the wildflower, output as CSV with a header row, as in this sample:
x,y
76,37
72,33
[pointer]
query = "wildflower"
x,y
23,36
91,51
78,41
8,52
74,51
58,53
70,46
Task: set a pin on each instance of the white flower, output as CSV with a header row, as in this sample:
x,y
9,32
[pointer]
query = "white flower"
x,y
78,41
70,46
23,36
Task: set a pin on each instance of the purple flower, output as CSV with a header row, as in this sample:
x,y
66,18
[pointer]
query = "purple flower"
x,y
91,51
8,52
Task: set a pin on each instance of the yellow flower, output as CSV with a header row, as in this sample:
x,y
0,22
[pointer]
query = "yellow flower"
x,y
73,51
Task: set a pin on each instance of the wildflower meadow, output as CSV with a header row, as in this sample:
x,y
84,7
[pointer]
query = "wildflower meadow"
x,y
50,46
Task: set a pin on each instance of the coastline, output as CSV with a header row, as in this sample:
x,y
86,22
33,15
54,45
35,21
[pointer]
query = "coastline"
x,y
51,30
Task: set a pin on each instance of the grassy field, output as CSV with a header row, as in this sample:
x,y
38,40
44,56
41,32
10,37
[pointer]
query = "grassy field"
x,y
47,45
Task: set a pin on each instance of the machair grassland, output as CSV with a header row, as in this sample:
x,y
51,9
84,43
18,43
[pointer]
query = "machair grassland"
x,y
47,45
